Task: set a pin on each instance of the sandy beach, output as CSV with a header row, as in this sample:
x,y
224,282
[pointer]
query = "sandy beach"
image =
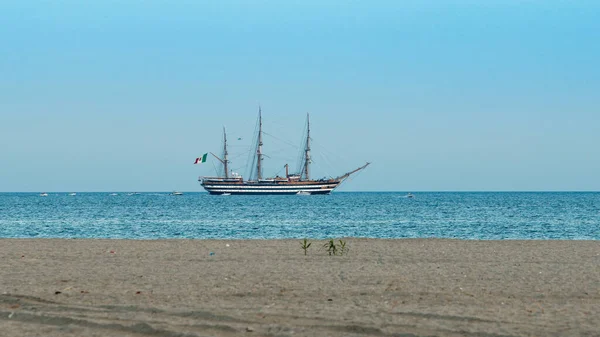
x,y
421,287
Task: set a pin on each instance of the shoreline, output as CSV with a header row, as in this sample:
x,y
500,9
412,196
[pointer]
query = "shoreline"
x,y
353,238
417,287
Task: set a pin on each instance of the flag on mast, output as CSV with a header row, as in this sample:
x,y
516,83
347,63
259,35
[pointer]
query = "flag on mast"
x,y
201,159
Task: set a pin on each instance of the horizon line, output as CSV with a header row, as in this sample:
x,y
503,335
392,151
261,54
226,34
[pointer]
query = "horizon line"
x,y
394,191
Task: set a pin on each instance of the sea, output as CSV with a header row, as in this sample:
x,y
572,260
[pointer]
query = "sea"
x,y
457,215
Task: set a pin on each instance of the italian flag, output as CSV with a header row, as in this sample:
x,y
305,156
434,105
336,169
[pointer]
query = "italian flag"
x,y
201,159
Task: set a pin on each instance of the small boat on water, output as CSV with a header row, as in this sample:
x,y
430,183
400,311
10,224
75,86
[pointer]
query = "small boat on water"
x,y
72,194
409,195
177,193
43,194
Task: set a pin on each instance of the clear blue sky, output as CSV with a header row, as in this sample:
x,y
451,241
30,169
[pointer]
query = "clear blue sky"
x,y
438,95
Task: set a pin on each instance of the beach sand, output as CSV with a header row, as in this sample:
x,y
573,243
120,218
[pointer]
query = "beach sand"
x,y
420,287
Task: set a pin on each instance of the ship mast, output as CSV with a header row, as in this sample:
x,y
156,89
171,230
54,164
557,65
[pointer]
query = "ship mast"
x,y
225,161
307,149
260,143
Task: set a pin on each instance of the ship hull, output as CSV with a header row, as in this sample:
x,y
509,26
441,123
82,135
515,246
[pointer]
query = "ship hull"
x,y
270,188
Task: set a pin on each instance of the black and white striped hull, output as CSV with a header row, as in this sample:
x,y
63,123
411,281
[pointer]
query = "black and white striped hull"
x,y
270,188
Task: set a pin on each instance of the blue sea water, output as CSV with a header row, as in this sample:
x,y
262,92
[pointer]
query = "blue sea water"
x,y
502,215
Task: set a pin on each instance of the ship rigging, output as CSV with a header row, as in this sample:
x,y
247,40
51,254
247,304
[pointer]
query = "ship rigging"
x,y
299,183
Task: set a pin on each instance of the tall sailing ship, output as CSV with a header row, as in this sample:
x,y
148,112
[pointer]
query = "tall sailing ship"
x,y
297,183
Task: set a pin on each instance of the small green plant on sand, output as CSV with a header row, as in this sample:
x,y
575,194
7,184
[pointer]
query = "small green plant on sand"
x,y
331,247
343,249
336,248
305,244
